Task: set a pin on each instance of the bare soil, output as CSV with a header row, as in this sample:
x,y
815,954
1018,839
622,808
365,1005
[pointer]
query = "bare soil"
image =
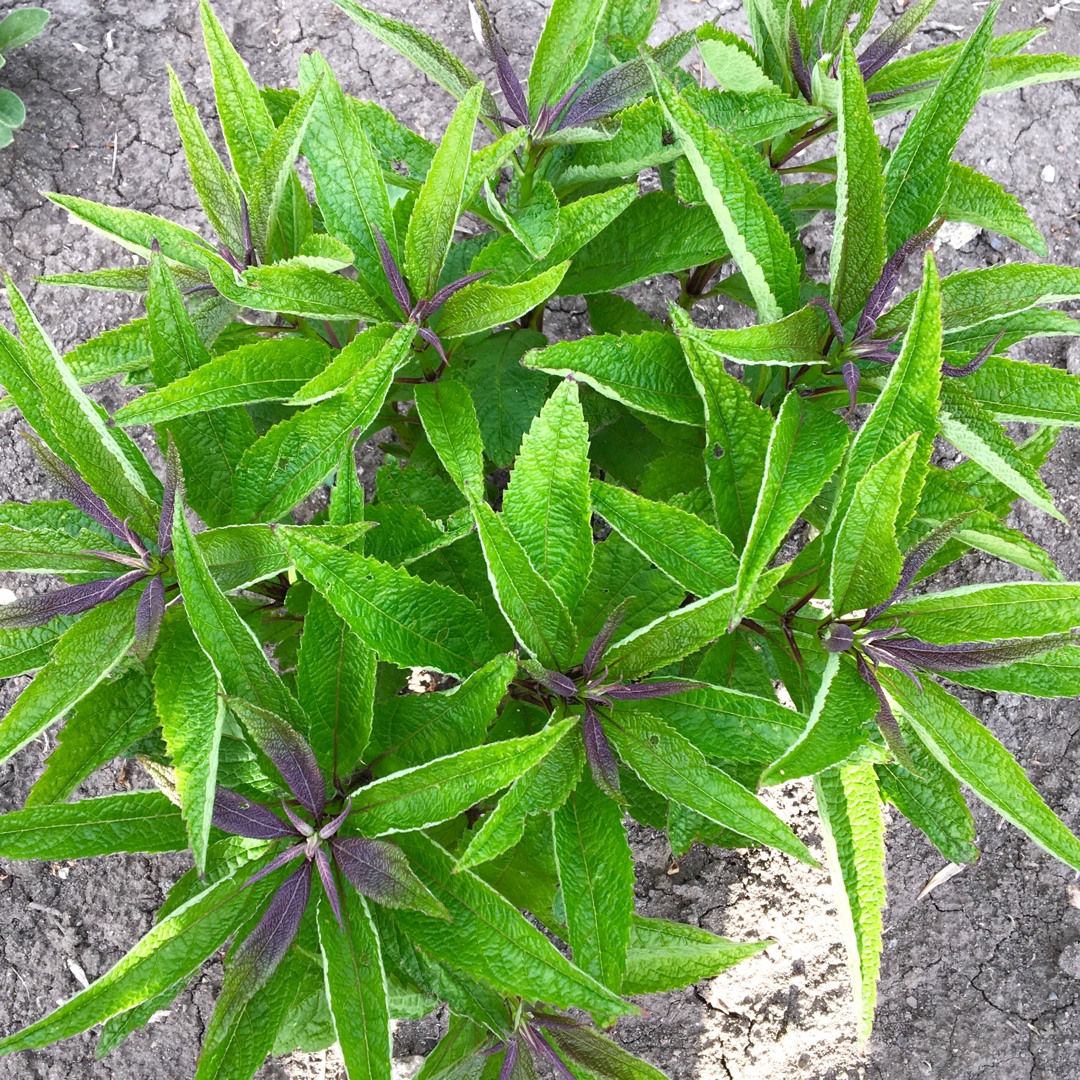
x,y
981,980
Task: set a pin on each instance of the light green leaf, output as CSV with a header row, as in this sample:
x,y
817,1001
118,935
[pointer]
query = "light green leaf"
x,y
675,768
1025,392
449,418
564,48
1055,674
29,648
49,551
964,747
409,622
336,376
854,834
481,305
792,341
536,225
806,446
978,200
731,60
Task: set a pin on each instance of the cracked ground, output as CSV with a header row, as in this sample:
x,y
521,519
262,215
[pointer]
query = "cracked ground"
x,y
980,980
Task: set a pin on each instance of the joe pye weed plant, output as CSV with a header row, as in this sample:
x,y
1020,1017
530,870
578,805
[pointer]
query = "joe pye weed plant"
x,y
710,570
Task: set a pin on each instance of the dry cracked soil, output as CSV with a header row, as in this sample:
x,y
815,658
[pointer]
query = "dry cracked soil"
x,y
981,979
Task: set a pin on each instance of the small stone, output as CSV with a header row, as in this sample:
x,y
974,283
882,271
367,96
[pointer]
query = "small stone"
x,y
1072,888
1049,174
1069,960
912,1003
995,243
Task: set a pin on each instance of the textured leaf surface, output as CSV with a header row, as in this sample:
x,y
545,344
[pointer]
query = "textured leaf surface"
x,y
482,305
449,418
791,341
565,45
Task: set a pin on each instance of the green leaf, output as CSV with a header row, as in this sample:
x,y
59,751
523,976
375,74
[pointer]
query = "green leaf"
x,y
439,204
20,26
1025,392
481,305
49,551
736,442
143,821
335,681
546,505
753,116
917,175
597,1055
596,873
123,349
964,747
29,648
430,56
687,549
535,225
866,560
271,370
440,789
356,985
564,48
731,60
294,288
843,707
643,371
792,341
665,955
407,621
931,800
1055,674
85,654
336,376
192,713
973,432
412,729
978,200
210,444
854,834
675,768
449,418
348,177
757,240
858,249
806,445
990,612
294,457
531,606
490,940
104,724
907,404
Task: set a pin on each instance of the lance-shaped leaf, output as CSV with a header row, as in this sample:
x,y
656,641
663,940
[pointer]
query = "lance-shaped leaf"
x,y
406,620
971,655
546,506
596,873
687,549
83,656
736,442
565,44
866,561
482,305
963,746
237,814
490,940
539,619
441,789
75,599
843,707
597,1055
287,751
643,371
1015,390
731,61
917,176
430,56
978,200
449,418
850,809
293,457
1057,674
149,611
806,445
356,989
379,870
143,821
675,768
513,92
439,204
907,404
665,955
792,341
858,251
757,240
171,951
252,964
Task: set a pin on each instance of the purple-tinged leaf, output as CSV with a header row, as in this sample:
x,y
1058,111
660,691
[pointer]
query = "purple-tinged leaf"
x,y
433,340
890,278
555,681
288,752
798,63
259,954
645,690
880,656
240,816
330,828
326,875
916,558
880,96
447,291
548,120
542,1048
609,93
595,653
830,314
958,371
75,489
885,720
554,1021
283,858
838,637
598,753
148,615
173,480
116,557
852,378
973,655
297,822
379,870
893,38
250,257
73,600
512,90
393,274
506,1071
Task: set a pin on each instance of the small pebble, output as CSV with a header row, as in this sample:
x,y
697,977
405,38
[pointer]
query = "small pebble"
x,y
1049,174
1072,889
912,1003
1069,960
995,243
